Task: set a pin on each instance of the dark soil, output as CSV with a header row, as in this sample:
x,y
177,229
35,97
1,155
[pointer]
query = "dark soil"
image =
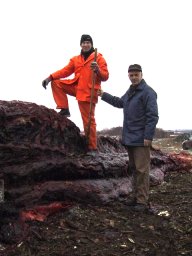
x,y
114,229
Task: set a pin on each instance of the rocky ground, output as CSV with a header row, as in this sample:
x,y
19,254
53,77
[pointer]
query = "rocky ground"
x,y
114,229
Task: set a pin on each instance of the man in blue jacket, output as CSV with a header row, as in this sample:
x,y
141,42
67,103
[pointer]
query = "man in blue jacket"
x,y
140,109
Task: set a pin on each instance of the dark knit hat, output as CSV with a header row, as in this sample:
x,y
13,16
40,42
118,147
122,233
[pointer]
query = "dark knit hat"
x,y
135,67
86,38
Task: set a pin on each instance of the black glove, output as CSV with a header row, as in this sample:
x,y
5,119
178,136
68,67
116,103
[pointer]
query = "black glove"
x,y
45,82
95,67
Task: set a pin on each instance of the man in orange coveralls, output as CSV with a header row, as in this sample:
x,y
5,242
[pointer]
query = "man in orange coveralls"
x,y
83,66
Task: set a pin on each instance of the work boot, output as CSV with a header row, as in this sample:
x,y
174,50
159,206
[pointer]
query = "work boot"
x,y
65,112
139,207
132,202
92,152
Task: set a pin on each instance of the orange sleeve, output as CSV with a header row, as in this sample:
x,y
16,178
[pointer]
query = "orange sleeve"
x,y
103,70
64,72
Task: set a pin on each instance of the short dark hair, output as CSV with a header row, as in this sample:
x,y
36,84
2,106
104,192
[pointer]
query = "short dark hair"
x,y
134,67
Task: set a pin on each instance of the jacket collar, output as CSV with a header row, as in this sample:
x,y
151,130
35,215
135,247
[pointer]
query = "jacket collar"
x,y
132,90
141,85
87,54
91,57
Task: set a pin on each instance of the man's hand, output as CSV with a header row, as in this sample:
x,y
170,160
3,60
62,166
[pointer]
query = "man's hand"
x,y
147,143
100,92
95,67
45,82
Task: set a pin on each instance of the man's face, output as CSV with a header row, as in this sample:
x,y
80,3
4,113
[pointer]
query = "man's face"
x,y
86,46
135,77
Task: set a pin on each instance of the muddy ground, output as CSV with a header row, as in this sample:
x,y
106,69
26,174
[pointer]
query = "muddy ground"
x,y
114,229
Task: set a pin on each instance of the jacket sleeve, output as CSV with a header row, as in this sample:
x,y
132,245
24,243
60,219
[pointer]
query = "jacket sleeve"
x,y
151,114
103,70
64,72
112,100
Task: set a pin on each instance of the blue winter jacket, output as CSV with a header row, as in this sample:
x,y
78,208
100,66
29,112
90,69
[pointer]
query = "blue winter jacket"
x,y
140,113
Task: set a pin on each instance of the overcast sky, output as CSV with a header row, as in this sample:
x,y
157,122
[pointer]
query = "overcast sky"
x,y
39,37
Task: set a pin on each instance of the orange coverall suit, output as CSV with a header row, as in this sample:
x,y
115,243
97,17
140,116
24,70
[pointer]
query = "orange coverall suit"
x,y
80,87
